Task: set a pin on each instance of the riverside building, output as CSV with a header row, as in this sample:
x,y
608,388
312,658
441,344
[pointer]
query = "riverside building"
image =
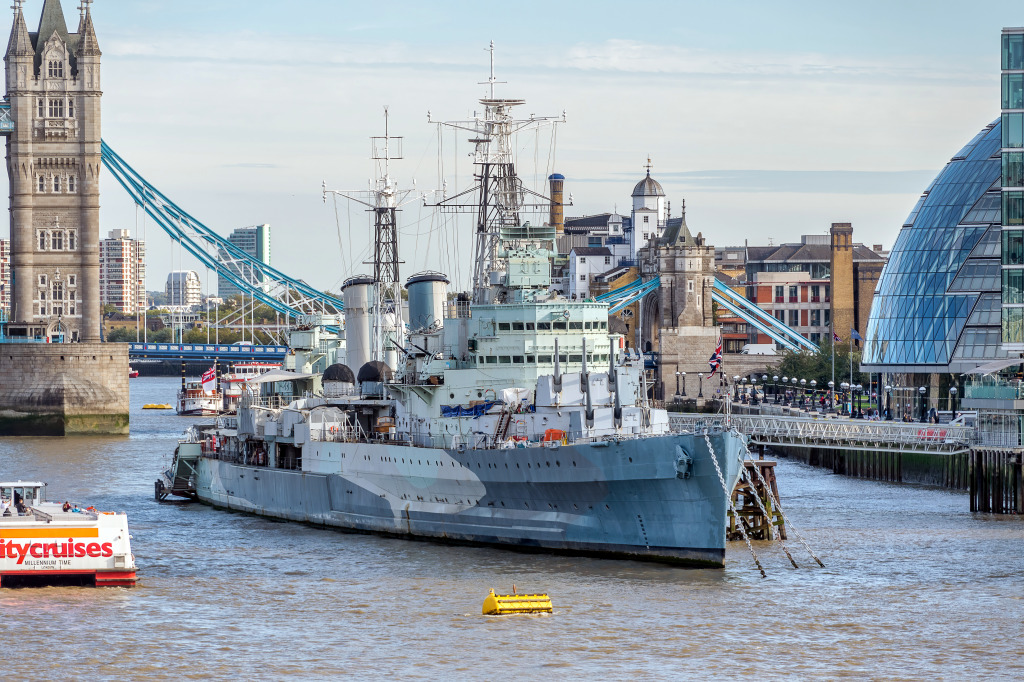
x,y
255,241
123,272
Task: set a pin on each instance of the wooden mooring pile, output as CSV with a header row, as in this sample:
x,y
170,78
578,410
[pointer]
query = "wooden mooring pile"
x,y
745,499
996,484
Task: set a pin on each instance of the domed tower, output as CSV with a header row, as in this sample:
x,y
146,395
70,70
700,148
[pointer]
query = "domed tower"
x,y
649,212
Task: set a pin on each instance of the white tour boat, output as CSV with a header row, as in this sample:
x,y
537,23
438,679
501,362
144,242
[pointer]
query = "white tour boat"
x,y
49,543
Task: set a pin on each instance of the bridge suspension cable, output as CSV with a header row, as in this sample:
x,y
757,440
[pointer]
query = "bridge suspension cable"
x,y
257,279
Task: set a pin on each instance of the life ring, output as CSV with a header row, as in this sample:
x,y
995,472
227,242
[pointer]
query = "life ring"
x,y
334,430
494,394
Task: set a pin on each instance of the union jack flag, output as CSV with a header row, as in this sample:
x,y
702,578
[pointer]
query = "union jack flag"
x,y
716,358
835,337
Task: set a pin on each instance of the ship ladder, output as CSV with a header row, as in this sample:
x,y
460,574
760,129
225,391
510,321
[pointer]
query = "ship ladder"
x,y
501,430
774,500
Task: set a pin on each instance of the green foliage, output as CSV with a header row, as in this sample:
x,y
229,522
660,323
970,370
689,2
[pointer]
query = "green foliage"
x,y
818,366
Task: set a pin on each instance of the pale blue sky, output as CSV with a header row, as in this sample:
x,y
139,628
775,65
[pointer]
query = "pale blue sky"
x,y
771,120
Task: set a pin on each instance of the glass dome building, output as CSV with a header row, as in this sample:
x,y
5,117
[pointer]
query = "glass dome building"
x,y
937,304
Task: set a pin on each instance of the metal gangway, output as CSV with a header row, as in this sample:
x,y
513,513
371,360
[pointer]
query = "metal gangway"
x,y
837,434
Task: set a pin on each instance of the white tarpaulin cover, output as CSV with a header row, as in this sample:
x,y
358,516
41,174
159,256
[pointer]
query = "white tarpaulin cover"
x,y
515,396
278,375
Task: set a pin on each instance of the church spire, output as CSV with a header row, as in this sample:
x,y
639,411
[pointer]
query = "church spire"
x,y
88,46
20,44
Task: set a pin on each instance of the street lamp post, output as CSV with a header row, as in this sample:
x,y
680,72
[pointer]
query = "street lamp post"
x,y
700,388
775,388
803,395
683,374
677,386
795,381
814,397
924,401
736,387
831,397
888,403
860,394
845,387
753,390
952,401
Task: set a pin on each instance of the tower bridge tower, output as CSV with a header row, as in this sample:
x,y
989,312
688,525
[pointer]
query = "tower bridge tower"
x,y
53,159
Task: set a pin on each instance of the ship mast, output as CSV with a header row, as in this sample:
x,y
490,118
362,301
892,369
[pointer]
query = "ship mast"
x,y
500,193
384,199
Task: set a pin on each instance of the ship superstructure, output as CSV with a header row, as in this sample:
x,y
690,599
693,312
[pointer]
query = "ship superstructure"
x,y
508,416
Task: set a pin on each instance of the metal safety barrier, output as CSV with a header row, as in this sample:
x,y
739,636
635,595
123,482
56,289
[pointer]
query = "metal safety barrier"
x,y
837,434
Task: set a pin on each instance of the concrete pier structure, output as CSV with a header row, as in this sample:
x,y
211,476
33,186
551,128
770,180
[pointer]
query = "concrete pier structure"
x,y
58,389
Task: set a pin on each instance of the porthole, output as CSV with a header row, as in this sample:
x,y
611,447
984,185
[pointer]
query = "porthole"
x,y
630,460
549,464
557,463
607,507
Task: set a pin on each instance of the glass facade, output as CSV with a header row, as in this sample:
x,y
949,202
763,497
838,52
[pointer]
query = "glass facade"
x,y
936,305
1012,190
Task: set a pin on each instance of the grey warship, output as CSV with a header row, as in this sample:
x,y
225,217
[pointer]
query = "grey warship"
x,y
509,417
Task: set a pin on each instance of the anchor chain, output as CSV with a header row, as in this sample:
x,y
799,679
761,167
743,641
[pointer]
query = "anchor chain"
x,y
732,508
785,519
768,519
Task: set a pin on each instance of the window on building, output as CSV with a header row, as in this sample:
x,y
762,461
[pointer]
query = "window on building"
x,y
594,241
828,298
794,318
815,293
689,286
72,280
583,278
792,294
583,259
42,280
56,69
41,107
58,291
779,293
780,315
71,107
815,318
647,218
56,108
56,183
607,260
71,241
828,318
57,240
815,337
42,242
42,183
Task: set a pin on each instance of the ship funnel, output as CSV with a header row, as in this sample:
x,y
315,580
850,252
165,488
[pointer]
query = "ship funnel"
x,y
428,295
557,214
358,294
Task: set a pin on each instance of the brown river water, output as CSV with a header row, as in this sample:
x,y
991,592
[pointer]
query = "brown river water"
x,y
915,587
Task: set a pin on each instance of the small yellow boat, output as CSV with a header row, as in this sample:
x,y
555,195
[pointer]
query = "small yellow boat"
x,y
504,604
157,406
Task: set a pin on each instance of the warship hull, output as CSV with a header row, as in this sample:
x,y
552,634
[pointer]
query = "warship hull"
x,y
655,498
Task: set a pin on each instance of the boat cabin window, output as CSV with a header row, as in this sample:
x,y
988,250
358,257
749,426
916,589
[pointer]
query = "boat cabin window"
x,y
504,359
517,359
517,326
575,325
503,326
587,324
563,358
492,360
544,359
530,326
31,495
575,358
559,325
529,359
544,326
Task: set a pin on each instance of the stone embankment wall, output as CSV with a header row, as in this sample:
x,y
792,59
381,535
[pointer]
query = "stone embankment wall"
x,y
62,389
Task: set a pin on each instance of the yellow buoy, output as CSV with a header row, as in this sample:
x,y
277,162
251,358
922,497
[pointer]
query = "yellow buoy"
x,y
504,604
157,406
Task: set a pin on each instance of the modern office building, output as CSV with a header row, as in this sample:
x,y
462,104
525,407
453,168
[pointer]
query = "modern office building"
x,y
5,278
183,289
123,272
1012,188
255,241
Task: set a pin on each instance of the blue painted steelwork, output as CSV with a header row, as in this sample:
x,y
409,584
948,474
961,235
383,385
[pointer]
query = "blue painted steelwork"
x,y
749,312
205,350
280,292
753,315
6,122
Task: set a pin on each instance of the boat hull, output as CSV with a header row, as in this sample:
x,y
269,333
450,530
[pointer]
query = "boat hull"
x,y
656,498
